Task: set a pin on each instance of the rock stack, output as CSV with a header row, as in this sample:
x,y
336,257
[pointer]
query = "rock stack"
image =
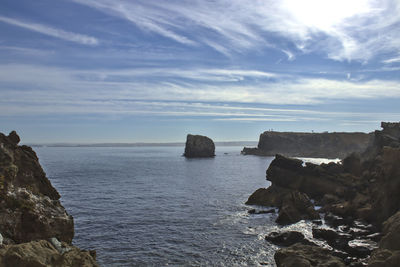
x,y
362,192
35,229
198,146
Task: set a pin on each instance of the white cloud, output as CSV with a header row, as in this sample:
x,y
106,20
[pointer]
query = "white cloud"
x,y
344,30
51,31
38,83
392,60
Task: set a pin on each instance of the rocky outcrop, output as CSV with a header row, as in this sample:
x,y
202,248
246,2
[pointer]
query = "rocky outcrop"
x,y
198,146
43,253
364,187
286,239
299,255
30,209
293,205
388,253
317,145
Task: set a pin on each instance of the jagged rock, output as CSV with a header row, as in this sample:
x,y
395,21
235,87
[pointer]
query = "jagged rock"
x,y
29,205
334,239
391,233
384,258
363,186
30,210
14,138
311,179
254,211
299,255
198,146
296,206
293,205
270,197
287,238
43,254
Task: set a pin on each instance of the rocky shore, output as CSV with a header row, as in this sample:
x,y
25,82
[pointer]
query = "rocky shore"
x,y
358,214
35,229
315,145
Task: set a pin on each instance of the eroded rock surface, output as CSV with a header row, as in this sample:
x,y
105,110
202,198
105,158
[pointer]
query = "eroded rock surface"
x,y
364,187
299,255
319,145
30,212
198,146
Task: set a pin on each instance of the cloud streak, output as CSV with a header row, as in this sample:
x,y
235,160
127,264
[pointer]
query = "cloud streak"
x,y
356,30
51,31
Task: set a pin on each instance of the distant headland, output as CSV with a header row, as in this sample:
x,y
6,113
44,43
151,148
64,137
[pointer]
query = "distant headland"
x,y
314,145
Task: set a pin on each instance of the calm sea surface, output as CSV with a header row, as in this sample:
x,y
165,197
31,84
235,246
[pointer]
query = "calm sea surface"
x,y
149,206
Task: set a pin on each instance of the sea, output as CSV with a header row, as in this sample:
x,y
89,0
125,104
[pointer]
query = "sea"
x,y
150,206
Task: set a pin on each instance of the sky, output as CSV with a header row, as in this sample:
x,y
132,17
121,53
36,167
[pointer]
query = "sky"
x,y
153,71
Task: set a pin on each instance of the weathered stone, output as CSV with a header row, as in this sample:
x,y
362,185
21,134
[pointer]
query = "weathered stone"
x,y
29,205
198,146
295,207
30,210
14,138
43,254
305,255
384,258
318,145
391,233
287,238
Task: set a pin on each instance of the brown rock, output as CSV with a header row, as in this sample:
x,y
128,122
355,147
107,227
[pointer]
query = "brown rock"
x,y
305,255
391,233
296,206
198,146
43,254
29,205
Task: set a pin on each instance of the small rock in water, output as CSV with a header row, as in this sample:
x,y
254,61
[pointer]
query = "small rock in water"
x,y
254,211
286,238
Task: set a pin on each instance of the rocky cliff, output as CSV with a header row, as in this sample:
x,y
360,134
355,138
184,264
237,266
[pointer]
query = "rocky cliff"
x,y
317,145
35,229
363,189
198,146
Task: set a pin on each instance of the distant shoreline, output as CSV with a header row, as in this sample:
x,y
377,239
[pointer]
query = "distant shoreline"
x,y
176,144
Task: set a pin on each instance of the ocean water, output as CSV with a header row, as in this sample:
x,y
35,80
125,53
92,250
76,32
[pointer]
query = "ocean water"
x,y
149,206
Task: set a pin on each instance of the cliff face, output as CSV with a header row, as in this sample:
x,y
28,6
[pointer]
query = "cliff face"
x,y
29,205
362,187
318,145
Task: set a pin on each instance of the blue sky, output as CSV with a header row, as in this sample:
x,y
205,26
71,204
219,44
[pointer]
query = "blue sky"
x,y
153,71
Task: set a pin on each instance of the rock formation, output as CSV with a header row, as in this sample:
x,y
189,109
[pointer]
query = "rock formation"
x,y
364,187
31,213
316,145
198,146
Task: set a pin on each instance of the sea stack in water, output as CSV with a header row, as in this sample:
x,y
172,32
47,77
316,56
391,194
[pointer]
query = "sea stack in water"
x,y
198,146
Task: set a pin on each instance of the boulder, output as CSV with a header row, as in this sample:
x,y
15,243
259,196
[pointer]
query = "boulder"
x,y
198,146
299,255
293,205
296,206
384,258
287,238
391,233
42,253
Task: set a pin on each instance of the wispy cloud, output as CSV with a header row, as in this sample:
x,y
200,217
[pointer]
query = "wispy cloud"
x,y
343,30
38,83
392,60
51,31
